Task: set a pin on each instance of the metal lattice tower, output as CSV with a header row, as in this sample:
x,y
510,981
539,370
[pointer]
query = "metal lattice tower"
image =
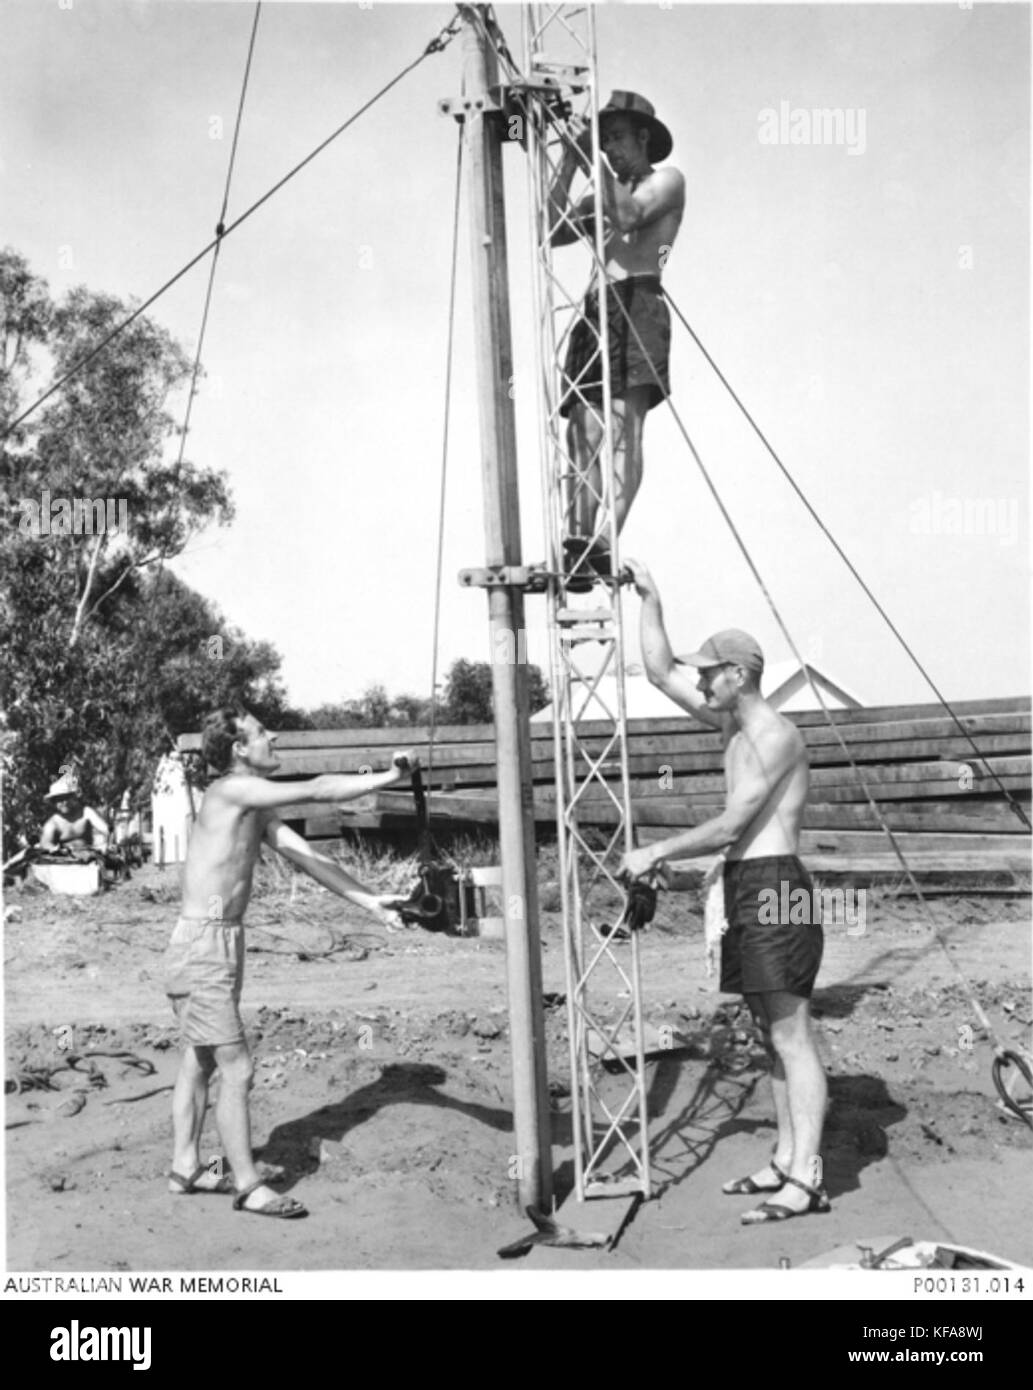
x,y
608,1097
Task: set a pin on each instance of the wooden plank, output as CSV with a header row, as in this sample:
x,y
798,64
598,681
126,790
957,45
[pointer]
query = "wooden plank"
x,y
393,736
976,725
853,842
482,750
314,761
476,761
945,777
978,816
448,806
932,790
462,733
928,861
973,817
882,775
926,796
875,774
333,827
884,714
961,818
686,738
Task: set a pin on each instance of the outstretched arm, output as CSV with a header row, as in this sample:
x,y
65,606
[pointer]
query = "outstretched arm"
x,y
324,870
258,794
677,682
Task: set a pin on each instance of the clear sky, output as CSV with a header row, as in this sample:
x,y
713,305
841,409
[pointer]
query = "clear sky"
x,y
869,301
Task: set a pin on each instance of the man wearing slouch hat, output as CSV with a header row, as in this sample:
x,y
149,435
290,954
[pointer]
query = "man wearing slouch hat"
x,y
643,209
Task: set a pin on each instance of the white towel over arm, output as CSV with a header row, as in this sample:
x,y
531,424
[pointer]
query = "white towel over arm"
x,y
715,923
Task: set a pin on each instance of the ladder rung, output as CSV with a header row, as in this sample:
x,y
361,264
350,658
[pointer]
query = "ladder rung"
x,y
624,1187
584,615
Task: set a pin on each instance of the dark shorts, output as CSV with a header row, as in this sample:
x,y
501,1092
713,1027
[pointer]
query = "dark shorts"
x,y
204,974
634,361
771,943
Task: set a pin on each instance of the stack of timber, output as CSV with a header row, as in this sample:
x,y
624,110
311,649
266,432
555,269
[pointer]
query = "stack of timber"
x,y
947,811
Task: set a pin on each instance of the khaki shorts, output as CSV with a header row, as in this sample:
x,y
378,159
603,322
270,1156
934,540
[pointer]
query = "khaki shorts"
x,y
204,973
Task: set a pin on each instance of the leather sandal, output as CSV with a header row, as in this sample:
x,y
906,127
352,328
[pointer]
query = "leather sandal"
x,y
774,1211
281,1205
746,1187
188,1186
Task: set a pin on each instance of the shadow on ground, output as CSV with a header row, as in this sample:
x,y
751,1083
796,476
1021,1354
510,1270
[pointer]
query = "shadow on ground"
x,y
294,1146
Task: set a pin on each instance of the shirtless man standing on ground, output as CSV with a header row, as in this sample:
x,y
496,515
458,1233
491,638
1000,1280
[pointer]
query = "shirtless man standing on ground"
x,y
643,210
772,963
204,964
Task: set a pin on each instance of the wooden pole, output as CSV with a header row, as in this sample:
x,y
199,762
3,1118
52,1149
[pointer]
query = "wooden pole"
x,y
531,1164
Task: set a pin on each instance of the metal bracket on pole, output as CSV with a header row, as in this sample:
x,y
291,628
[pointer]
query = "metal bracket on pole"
x,y
461,107
533,579
515,98
508,101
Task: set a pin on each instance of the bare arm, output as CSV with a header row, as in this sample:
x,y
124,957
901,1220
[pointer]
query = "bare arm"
x,y
568,223
49,836
766,763
100,827
258,794
677,682
323,869
661,192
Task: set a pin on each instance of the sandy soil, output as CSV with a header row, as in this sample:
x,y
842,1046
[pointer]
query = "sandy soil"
x,y
383,1091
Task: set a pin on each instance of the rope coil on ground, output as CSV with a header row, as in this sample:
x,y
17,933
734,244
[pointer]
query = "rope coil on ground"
x,y
41,1078
1023,1110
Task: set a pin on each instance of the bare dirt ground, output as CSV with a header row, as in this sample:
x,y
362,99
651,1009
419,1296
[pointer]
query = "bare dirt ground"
x,y
383,1091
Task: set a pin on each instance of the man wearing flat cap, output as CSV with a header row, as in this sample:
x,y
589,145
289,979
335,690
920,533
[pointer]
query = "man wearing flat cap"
x,y
643,209
770,961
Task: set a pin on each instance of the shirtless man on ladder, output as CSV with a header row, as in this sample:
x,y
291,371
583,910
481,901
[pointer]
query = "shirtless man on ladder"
x,y
643,208
772,962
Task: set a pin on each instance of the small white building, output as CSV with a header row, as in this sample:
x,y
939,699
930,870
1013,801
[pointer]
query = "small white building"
x,y
786,687
174,805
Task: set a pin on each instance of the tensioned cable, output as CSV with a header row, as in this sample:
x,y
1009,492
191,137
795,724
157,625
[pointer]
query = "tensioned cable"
x,y
436,45
444,460
490,30
751,564
504,54
220,231
850,566
977,1008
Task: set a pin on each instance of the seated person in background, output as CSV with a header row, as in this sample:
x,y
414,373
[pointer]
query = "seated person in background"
x,y
72,825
